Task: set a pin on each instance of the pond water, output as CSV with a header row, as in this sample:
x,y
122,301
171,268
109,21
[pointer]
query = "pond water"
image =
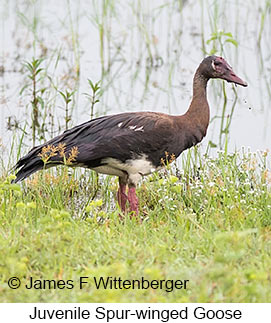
x,y
144,54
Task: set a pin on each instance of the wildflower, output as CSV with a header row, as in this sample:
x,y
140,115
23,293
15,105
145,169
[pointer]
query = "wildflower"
x,y
48,152
72,155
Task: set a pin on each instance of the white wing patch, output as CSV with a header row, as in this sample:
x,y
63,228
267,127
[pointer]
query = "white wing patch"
x,y
136,129
140,129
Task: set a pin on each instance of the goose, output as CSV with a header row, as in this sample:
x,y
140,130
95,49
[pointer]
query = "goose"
x,y
132,144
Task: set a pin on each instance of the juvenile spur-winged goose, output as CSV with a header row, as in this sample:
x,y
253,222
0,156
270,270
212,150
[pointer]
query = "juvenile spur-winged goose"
x,y
133,144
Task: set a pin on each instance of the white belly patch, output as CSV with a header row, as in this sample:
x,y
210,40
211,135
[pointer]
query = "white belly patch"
x,y
135,168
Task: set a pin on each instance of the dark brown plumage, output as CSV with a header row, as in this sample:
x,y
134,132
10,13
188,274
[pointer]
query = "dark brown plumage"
x,y
130,145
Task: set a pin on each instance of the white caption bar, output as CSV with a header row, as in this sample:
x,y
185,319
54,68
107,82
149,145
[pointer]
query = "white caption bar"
x,y
134,312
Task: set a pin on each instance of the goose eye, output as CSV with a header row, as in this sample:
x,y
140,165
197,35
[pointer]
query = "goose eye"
x,y
217,63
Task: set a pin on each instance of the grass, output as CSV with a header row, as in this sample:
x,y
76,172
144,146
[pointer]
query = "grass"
x,y
210,224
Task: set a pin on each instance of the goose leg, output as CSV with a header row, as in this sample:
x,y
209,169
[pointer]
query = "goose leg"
x,y
133,200
122,197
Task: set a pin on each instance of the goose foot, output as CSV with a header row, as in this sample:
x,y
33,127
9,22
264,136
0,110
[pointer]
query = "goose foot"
x,y
122,197
133,200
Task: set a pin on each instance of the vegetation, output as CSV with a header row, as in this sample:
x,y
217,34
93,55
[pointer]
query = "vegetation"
x,y
210,225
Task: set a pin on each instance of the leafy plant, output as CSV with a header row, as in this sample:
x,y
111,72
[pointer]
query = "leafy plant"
x,y
218,40
67,97
94,96
34,71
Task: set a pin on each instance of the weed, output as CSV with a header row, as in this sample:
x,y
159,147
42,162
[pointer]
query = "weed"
x,y
94,97
34,70
222,38
67,97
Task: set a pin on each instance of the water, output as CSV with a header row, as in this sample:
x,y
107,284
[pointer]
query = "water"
x,y
144,53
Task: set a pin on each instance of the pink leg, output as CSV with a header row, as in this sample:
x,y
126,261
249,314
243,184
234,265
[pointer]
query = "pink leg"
x,y
122,197
133,200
